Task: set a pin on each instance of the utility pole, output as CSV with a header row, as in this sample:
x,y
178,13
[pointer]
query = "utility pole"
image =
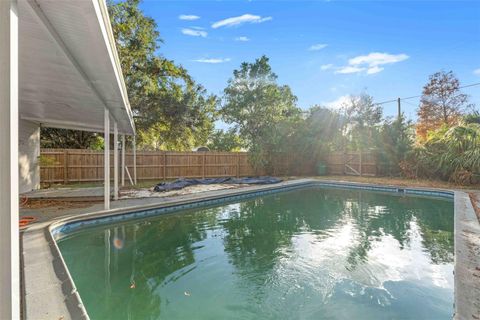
x,y
399,110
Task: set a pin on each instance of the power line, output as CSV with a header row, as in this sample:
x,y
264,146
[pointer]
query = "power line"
x,y
418,96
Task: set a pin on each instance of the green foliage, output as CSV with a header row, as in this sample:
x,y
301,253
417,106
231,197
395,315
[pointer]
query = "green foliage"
x,y
450,153
228,140
447,139
254,101
260,110
318,133
396,142
70,139
363,119
172,112
473,117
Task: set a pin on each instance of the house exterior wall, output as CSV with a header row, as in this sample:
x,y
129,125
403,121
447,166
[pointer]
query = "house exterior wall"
x,y
28,153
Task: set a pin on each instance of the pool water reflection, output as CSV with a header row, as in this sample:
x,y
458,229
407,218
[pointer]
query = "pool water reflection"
x,y
311,253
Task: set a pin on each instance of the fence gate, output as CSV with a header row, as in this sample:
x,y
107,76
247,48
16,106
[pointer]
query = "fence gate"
x,y
353,163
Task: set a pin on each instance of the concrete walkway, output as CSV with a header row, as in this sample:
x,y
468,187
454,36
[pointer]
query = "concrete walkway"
x,y
66,193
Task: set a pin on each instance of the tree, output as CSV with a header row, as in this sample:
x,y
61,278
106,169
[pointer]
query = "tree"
x,y
256,105
253,101
171,111
396,142
441,103
318,133
225,140
70,139
362,120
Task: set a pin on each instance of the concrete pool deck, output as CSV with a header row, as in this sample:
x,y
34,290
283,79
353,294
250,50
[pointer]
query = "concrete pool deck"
x,y
49,292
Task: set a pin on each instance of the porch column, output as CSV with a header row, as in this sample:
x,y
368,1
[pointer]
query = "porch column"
x,y
9,234
106,162
135,160
123,160
115,160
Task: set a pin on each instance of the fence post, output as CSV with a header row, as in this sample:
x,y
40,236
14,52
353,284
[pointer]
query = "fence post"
x,y
203,164
238,165
361,164
65,166
164,166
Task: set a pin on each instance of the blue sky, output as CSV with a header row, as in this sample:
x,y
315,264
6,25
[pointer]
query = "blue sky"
x,y
325,50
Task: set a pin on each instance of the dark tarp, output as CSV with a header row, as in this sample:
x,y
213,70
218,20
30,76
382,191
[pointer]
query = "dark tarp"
x,y
182,183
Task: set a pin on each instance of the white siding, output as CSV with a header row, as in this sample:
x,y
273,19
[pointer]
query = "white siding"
x,y
28,153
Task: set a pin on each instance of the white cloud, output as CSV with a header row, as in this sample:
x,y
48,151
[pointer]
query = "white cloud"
x,y
338,103
374,69
377,58
349,69
242,38
477,72
326,66
194,32
213,60
318,46
188,17
371,63
236,21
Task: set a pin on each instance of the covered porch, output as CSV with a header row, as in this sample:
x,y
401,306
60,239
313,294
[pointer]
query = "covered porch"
x,y
58,68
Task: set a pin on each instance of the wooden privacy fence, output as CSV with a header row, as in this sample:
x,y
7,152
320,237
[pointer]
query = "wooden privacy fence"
x,y
78,165
354,163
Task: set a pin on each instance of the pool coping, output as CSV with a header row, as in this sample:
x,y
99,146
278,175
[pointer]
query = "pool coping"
x,y
60,297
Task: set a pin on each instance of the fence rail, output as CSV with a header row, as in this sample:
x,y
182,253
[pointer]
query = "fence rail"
x,y
78,165
75,165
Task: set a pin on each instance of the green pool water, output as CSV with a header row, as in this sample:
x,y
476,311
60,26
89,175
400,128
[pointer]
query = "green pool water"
x,y
311,253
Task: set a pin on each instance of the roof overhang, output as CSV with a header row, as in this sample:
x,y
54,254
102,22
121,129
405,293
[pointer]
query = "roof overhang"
x,y
69,70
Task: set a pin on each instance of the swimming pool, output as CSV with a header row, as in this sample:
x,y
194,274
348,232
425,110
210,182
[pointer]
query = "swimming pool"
x,y
310,253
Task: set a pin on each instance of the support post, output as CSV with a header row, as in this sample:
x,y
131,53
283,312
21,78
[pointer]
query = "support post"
x,y
9,234
115,160
123,160
106,161
135,160
399,109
